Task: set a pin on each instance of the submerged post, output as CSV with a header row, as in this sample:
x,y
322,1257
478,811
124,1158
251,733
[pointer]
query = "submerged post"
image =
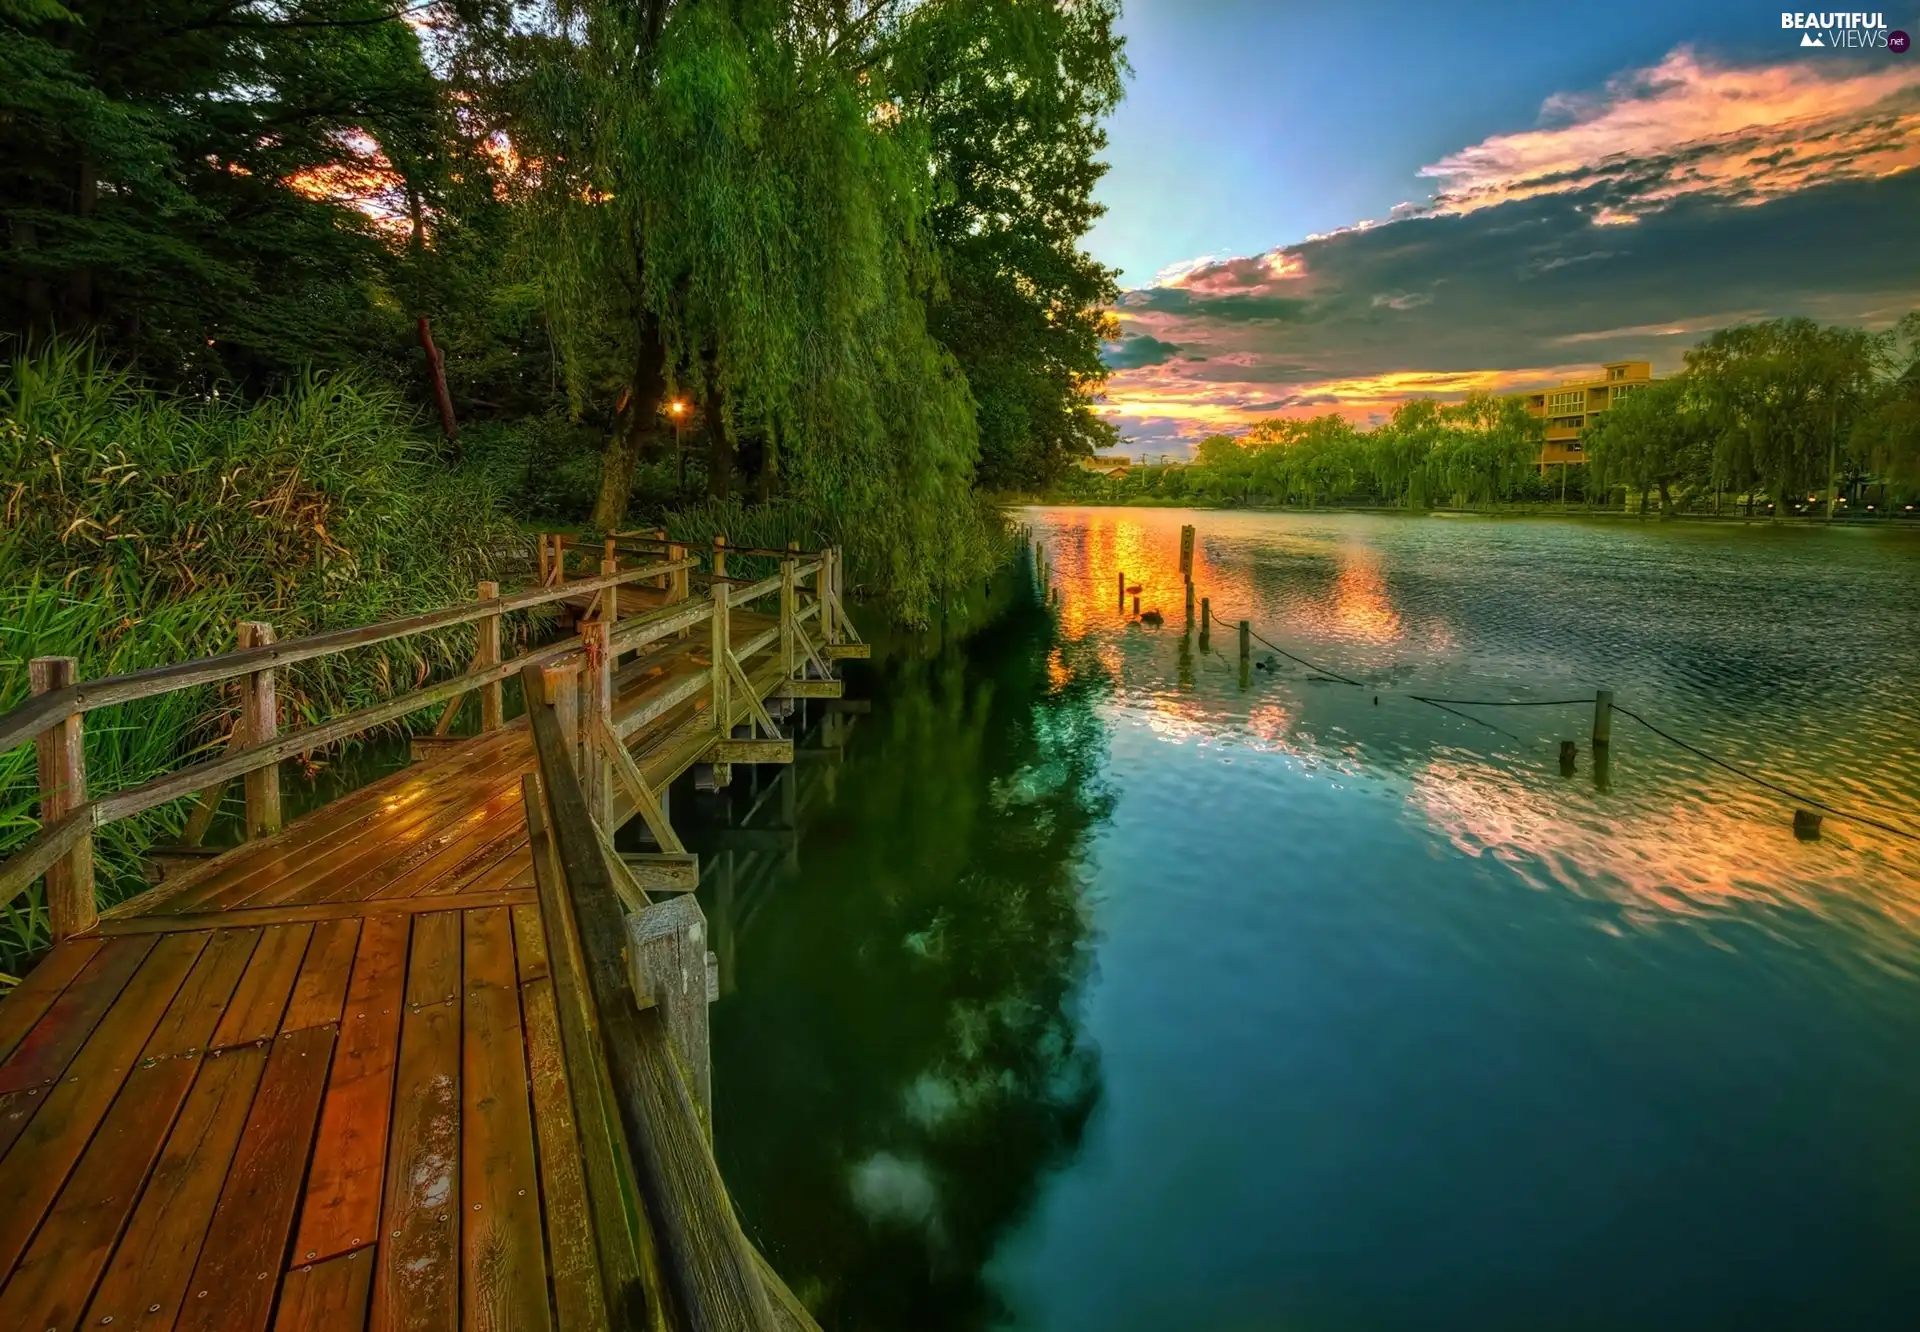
x,y
1123,589
63,789
1602,717
1206,620
722,703
260,713
1189,603
493,714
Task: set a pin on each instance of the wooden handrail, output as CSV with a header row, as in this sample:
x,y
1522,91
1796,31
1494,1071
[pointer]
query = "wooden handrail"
x,y
23,723
46,846
705,1260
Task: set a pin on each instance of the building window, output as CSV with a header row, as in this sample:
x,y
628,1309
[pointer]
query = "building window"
x,y
1624,389
1571,400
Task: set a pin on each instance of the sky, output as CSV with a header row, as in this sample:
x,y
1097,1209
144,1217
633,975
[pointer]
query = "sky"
x,y
1321,207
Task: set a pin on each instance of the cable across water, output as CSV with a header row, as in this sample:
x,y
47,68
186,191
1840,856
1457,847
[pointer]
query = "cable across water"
x,y
1449,705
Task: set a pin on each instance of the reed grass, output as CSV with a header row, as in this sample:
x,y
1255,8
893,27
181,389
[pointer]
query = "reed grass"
x,y
137,528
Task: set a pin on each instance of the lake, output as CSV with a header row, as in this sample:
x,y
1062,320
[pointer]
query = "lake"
x,y
1080,985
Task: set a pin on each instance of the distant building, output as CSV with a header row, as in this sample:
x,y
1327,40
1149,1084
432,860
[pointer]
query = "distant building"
x,y
1108,465
1571,408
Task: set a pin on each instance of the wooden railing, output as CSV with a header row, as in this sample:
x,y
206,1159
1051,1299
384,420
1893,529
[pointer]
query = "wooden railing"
x,y
53,719
634,978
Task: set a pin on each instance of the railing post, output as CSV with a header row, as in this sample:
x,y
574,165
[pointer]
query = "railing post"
x,y
787,610
664,581
560,559
680,586
722,708
558,684
63,788
493,713
546,563
610,597
720,556
596,705
822,586
260,714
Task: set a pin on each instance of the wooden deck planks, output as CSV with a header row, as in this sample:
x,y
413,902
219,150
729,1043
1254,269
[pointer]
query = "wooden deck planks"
x,y
261,998
503,1263
35,1168
246,1242
578,1302
146,1281
54,1279
358,813
341,1210
417,1272
35,994
324,972
43,1052
327,1297
319,1081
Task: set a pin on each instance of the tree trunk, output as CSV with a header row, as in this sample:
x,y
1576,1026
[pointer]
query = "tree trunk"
x,y
1666,500
623,450
1833,455
719,447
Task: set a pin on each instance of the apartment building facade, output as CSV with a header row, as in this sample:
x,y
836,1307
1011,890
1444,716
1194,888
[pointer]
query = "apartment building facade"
x,y
1572,406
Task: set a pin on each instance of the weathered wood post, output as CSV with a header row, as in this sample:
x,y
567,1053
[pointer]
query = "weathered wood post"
x,y
260,713
679,584
486,653
665,581
610,597
596,711
1186,552
1246,651
671,969
1206,622
1189,604
558,688
61,752
1602,717
787,608
722,701
560,558
823,583
1123,589
546,561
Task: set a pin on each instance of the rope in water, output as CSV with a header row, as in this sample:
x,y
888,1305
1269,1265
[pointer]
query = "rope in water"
x,y
1448,705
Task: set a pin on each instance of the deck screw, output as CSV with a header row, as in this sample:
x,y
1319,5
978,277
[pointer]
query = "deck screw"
x,y
314,1253
523,1193
107,1319
153,1308
476,1207
396,1234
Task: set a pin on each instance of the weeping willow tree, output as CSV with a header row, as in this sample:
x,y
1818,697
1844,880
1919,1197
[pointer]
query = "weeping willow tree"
x,y
727,202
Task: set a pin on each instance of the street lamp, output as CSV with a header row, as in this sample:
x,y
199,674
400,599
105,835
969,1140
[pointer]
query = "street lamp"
x,y
677,409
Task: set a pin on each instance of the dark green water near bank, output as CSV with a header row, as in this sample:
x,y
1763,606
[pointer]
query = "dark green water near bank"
x,y
1096,991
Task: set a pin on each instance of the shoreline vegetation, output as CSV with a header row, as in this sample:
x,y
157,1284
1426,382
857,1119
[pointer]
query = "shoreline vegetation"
x,y
1780,418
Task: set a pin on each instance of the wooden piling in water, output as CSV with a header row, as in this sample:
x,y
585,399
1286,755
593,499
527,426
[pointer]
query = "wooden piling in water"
x,y
1602,718
1246,640
1189,603
1186,552
1123,589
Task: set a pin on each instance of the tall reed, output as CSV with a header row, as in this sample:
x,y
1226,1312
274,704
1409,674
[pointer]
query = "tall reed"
x,y
137,528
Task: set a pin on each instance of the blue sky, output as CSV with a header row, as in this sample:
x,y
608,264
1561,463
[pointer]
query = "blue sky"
x,y
1249,128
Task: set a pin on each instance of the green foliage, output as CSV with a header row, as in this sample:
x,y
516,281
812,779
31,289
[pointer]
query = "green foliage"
x,y
1012,96
140,528
147,161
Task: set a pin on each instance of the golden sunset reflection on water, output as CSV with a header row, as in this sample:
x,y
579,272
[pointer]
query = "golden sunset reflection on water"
x,y
1674,840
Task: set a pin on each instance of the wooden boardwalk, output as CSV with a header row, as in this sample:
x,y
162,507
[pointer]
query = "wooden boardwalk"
x,y
318,1081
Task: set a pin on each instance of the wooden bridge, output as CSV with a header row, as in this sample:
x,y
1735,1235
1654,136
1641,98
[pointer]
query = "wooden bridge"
x,y
433,1055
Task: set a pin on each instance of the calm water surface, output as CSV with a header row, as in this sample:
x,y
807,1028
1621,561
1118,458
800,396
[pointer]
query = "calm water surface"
x,y
1097,990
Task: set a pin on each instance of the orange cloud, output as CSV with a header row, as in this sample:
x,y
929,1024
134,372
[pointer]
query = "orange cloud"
x,y
1688,126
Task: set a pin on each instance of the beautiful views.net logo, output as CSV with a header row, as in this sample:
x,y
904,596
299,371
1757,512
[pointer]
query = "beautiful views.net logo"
x,y
1859,32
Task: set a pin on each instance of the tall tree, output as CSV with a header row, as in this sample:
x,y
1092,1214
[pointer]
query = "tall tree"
x,y
176,176
1012,96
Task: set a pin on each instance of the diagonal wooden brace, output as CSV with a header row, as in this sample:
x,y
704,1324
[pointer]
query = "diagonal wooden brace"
x,y
627,772
755,708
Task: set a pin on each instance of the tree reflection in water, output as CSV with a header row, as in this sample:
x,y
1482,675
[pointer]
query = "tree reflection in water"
x,y
897,1061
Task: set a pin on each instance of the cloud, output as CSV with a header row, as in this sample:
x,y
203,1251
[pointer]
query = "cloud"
x,y
1136,352
1689,126
1676,200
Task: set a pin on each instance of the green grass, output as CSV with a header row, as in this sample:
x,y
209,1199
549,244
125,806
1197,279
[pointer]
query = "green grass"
x,y
137,528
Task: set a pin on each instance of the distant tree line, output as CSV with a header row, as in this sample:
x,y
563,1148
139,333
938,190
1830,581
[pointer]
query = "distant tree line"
x,y
1762,414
